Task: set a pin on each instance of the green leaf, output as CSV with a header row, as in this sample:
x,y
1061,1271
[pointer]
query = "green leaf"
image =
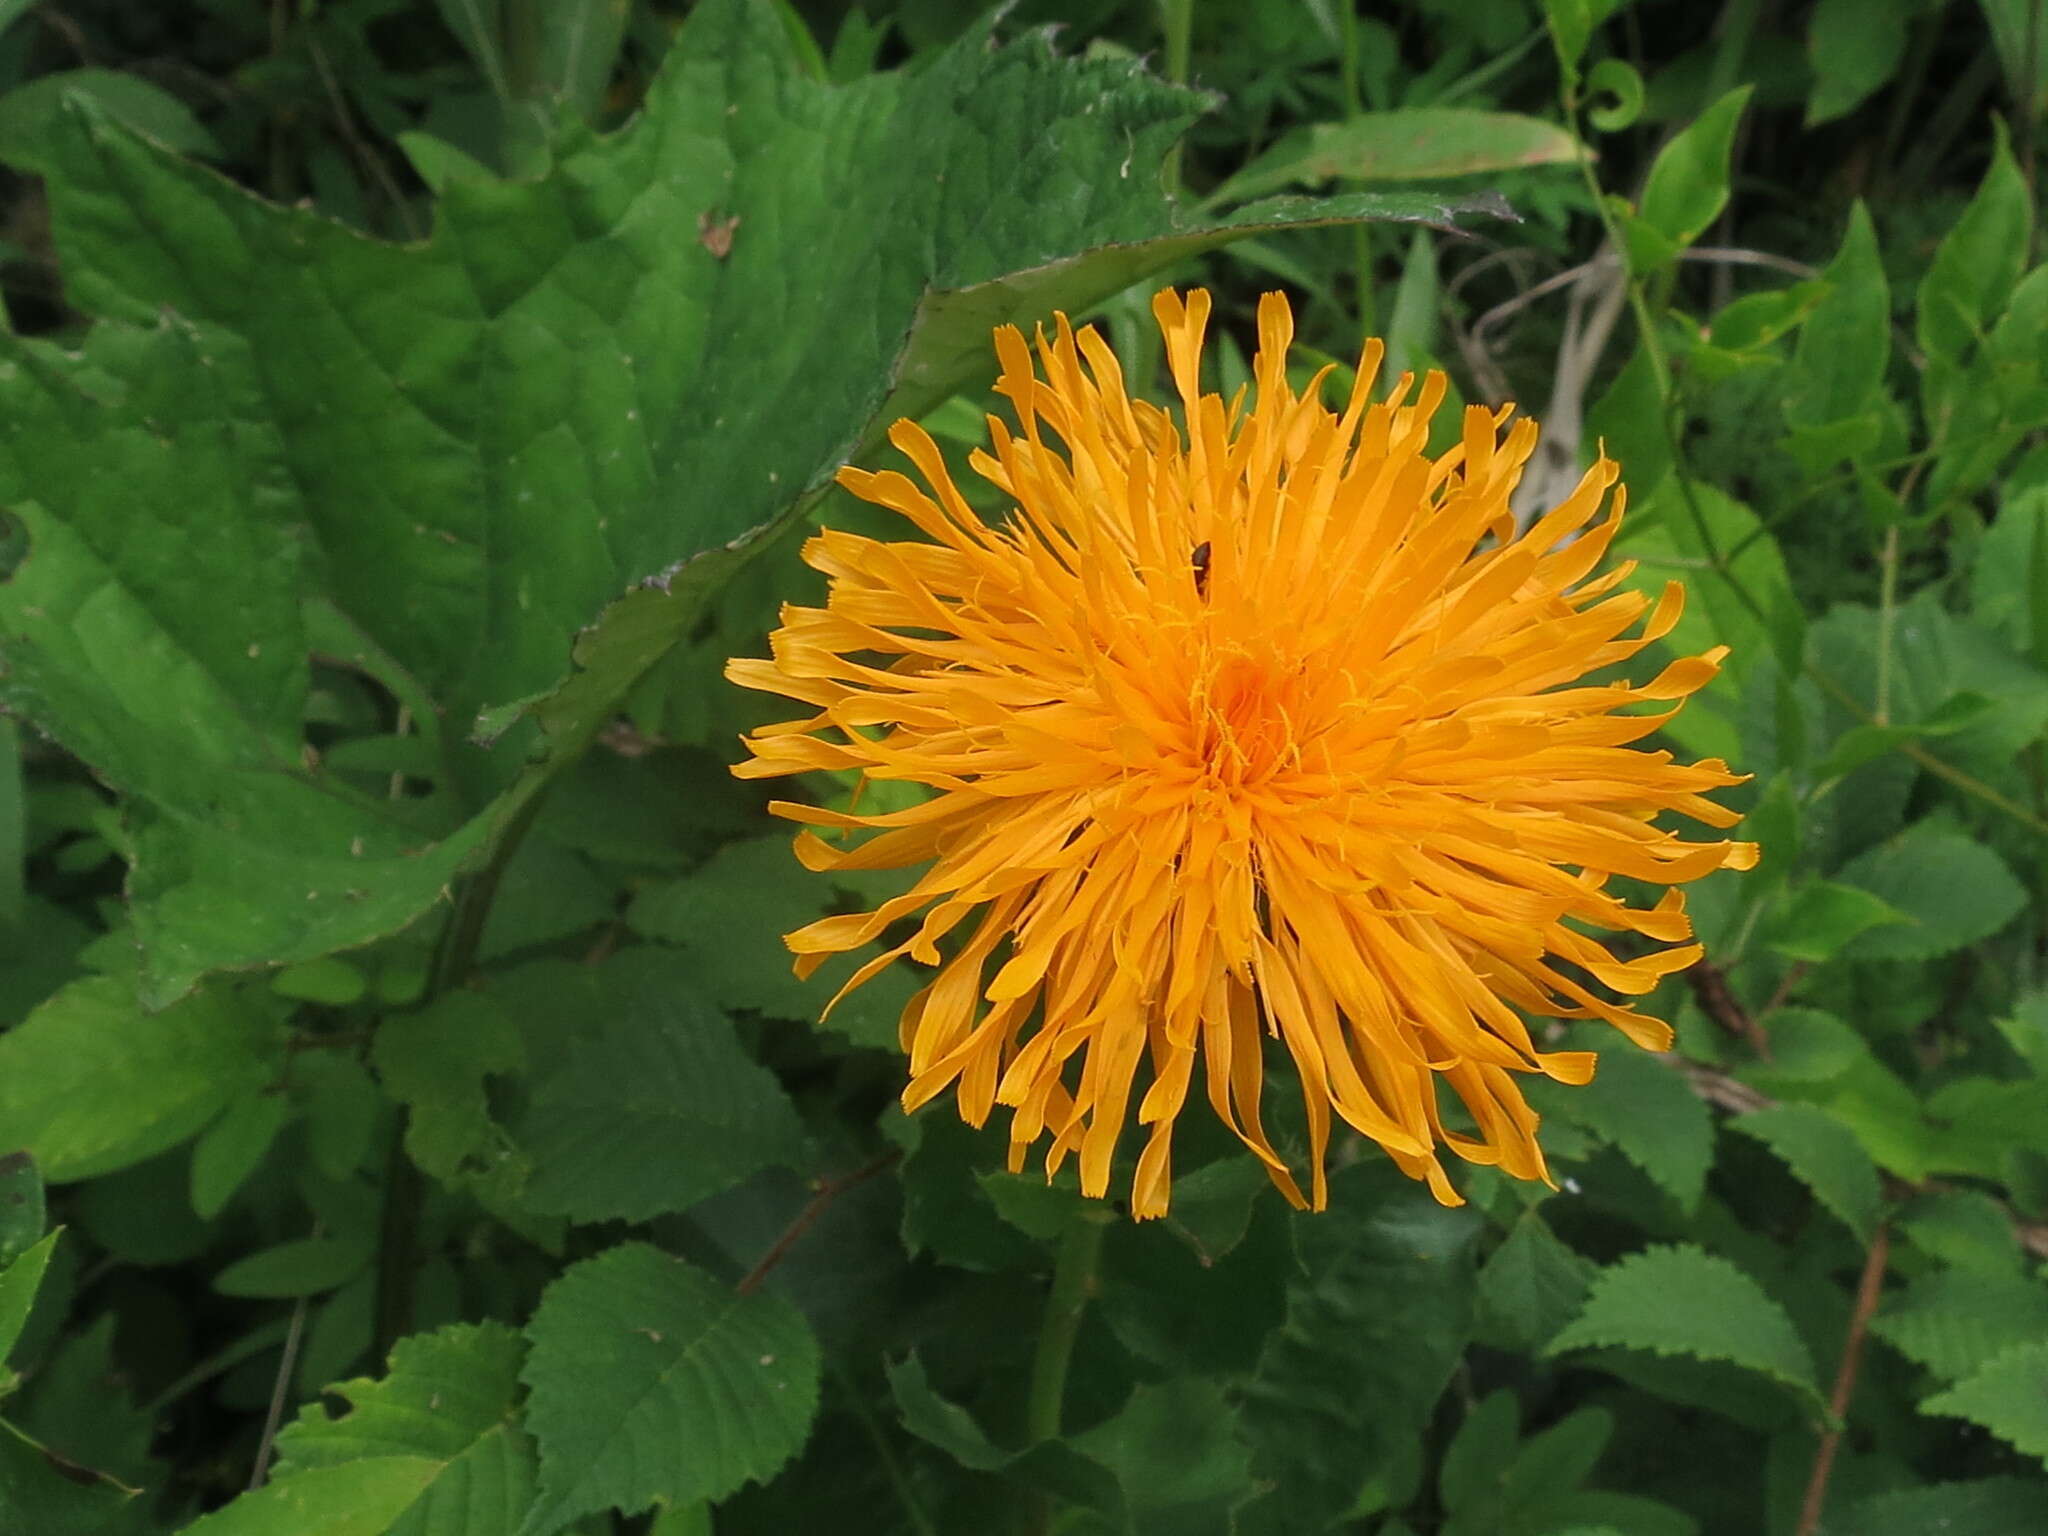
x,y
1478,1455
334,983
1981,1119
19,1282
1175,1449
1854,46
22,1211
1677,529
1687,185
1992,1506
1413,144
2026,1030
441,1422
1964,1227
232,1148
460,450
1825,1156
1372,1333
1977,263
579,47
1954,1321
651,1381
2005,1397
1533,1284
1824,915
90,1083
653,1105
28,113
1952,890
303,1267
1050,1466
436,1062
1648,1112
1682,1300
51,1497
355,1498
729,915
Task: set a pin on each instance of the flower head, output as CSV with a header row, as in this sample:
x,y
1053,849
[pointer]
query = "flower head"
x,y
1267,725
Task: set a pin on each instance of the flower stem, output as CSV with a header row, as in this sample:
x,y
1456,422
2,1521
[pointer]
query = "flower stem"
x,y
1073,1282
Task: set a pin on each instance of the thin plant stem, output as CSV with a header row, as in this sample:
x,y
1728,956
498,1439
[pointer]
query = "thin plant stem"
x,y
823,1194
1073,1282
280,1389
885,1453
1868,1289
1887,615
404,1188
1176,27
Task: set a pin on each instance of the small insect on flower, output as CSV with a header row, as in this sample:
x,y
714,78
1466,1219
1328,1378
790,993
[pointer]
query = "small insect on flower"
x,y
1346,788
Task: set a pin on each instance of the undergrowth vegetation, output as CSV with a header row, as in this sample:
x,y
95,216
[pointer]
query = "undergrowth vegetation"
x,y
409,1120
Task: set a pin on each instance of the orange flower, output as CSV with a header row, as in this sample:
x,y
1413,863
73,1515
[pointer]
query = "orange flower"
x,y
1269,727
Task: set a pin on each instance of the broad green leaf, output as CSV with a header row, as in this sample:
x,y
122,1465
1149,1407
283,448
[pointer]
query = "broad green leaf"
x,y
652,1105
305,1266
1981,1119
118,645
1413,144
1954,1321
651,1381
79,1403
578,49
23,1214
446,1408
51,1499
1951,889
459,451
1052,1466
1671,533
1838,364
1176,1450
1648,1112
2005,1397
1533,1284
2026,1030
1825,1156
1552,1464
1478,1455
232,1148
19,1281
1977,262
343,1106
2016,32
1992,1506
729,915
28,112
1824,915
2009,579
1682,1300
354,1498
334,983
1964,1227
1687,185
90,1083
1372,1333
1854,47
436,1062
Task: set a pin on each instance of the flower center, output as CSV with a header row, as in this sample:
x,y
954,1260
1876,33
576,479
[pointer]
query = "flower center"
x,y
1247,717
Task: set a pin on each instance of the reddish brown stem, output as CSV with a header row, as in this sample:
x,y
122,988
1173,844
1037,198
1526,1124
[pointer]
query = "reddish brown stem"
x,y
1868,1289
1718,1001
826,1192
